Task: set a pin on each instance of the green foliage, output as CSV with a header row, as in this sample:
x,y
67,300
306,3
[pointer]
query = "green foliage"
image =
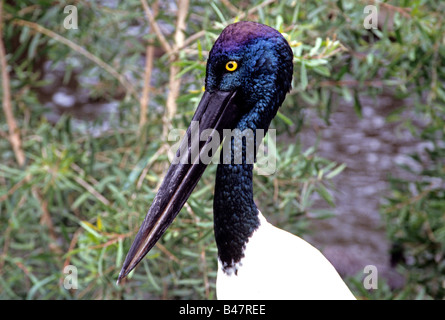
x,y
415,215
84,190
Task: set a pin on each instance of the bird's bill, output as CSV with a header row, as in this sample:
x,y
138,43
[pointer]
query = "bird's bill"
x,y
216,111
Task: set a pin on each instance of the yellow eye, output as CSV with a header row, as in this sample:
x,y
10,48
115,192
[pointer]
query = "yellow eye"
x,y
231,66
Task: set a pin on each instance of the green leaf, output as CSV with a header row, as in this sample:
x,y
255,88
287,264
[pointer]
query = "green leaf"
x,y
81,199
314,50
198,43
285,119
357,104
38,286
336,171
33,46
90,229
303,76
324,193
322,70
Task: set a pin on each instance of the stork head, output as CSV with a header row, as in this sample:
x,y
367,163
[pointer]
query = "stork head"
x,y
249,72
256,61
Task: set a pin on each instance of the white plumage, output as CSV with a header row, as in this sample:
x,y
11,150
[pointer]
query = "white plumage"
x,y
280,265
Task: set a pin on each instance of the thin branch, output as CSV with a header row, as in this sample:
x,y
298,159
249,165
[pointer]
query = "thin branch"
x,y
73,243
46,220
254,9
410,200
155,27
353,83
231,7
183,6
91,190
406,12
13,189
144,172
174,81
38,28
145,98
14,132
170,255
16,144
201,33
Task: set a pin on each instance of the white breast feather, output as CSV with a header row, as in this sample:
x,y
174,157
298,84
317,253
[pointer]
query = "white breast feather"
x,y
280,265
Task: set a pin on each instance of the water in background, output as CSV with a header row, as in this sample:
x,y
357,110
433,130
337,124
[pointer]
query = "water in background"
x,y
372,149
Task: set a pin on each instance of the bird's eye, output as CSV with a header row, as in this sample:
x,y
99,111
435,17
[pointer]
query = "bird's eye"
x,y
231,66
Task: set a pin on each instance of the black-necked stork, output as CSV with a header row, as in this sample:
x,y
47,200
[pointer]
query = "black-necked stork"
x,y
249,73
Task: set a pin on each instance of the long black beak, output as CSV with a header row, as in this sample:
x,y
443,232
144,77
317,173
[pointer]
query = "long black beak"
x,y
216,111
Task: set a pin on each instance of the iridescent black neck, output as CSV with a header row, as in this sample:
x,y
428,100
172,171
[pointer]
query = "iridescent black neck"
x,y
235,212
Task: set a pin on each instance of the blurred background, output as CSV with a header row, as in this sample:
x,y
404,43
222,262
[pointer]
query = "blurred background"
x,y
90,92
